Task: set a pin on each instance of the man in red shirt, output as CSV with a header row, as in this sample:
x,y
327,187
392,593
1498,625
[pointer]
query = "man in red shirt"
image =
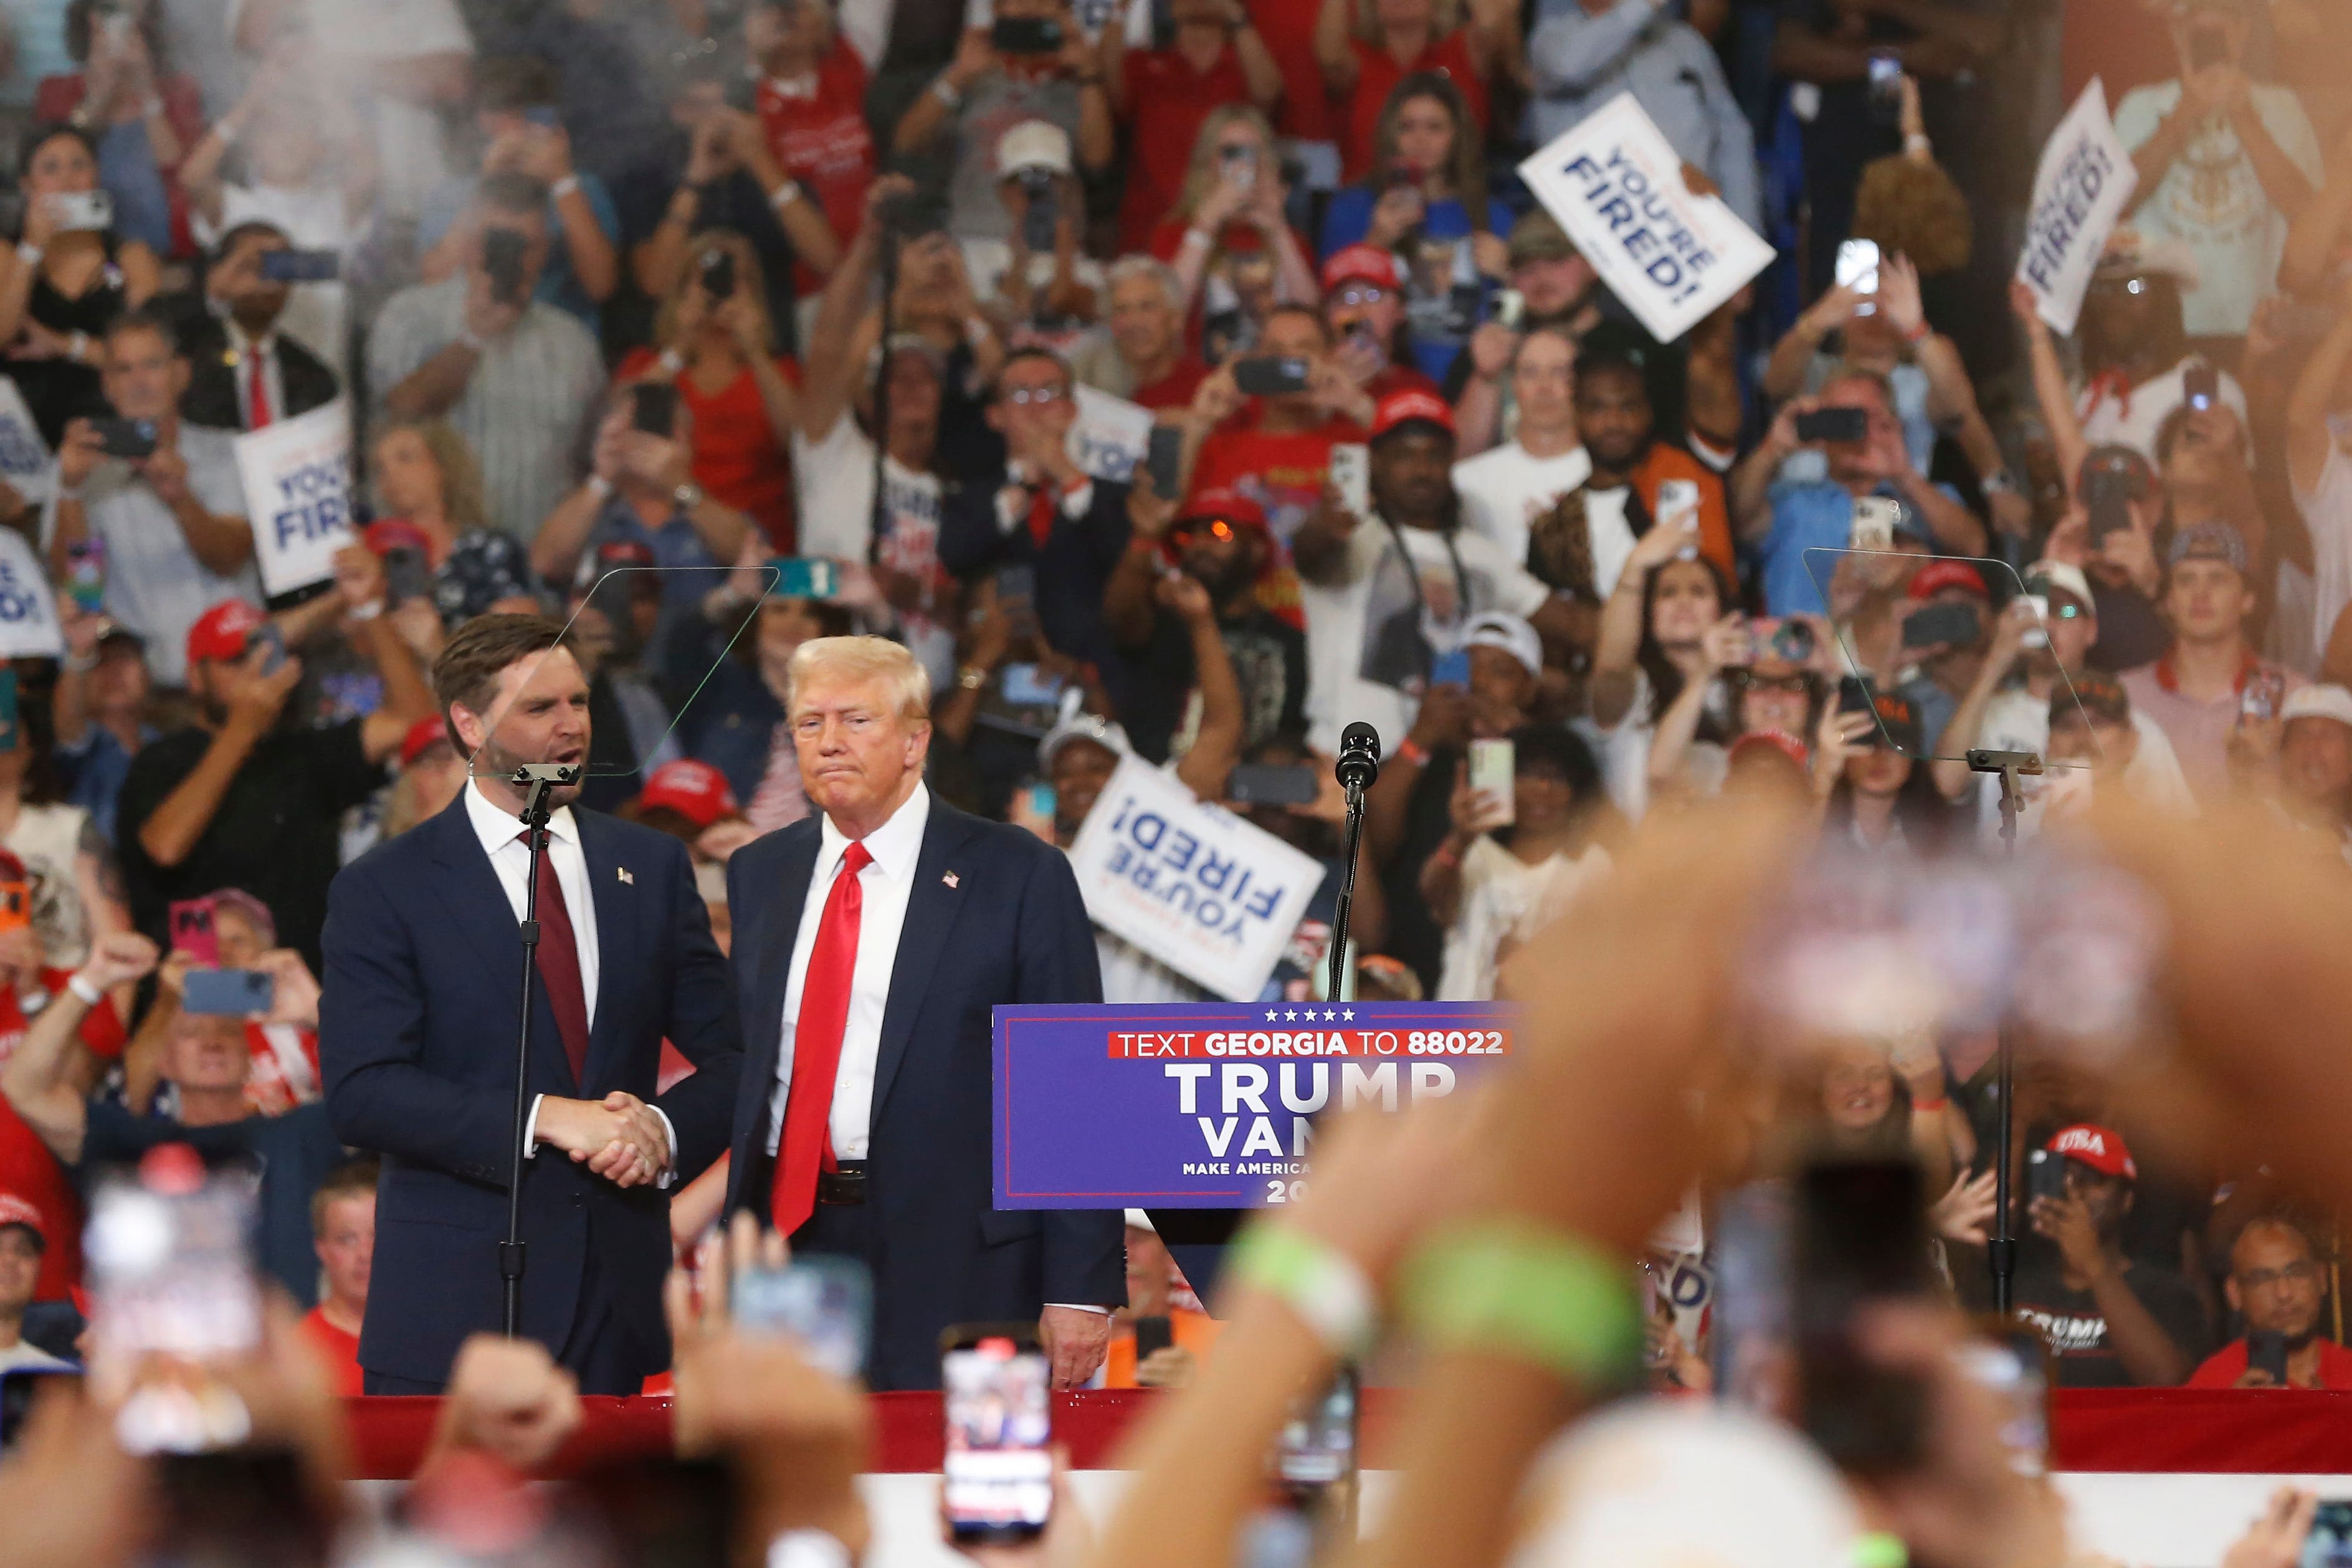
x,y
342,1227
812,106
1363,305
1164,95
2279,1286
1143,358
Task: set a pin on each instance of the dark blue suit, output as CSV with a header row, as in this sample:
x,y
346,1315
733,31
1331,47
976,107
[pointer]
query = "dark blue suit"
x,y
1011,929
416,1032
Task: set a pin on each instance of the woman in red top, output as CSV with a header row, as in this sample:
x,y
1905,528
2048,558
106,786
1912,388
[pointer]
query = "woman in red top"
x,y
1234,253
718,350
1367,47
1163,95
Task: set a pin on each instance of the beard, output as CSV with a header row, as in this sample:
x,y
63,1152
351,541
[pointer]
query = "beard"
x,y
495,761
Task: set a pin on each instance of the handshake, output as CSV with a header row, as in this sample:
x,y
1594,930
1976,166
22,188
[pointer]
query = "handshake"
x,y
619,1137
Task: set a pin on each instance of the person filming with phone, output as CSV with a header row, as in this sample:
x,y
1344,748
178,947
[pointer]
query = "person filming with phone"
x,y
2278,1286
248,374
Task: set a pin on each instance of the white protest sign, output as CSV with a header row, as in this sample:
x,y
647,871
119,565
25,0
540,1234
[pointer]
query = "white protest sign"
x,y
1208,894
24,455
28,610
1111,435
1616,186
298,492
2080,188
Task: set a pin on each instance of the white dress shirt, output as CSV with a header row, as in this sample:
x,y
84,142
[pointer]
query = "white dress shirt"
x,y
252,355
886,883
501,832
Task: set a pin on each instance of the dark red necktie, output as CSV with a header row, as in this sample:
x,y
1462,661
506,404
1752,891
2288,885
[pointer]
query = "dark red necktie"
x,y
806,1145
559,966
257,392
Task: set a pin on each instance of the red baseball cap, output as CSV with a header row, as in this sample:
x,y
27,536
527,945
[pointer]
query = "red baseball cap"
x,y
1360,264
422,737
15,1210
388,534
1404,407
1939,575
695,790
2101,1148
222,631
1779,740
1223,502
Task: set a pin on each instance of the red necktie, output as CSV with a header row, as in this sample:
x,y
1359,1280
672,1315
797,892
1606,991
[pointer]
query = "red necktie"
x,y
807,1144
257,394
1043,504
559,966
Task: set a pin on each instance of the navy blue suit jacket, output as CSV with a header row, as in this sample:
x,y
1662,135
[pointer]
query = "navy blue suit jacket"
x,y
1012,929
416,1036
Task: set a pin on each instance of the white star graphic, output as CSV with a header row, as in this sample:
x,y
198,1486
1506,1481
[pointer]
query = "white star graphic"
x,y
1292,1015
1329,1015
1270,1015
1347,1013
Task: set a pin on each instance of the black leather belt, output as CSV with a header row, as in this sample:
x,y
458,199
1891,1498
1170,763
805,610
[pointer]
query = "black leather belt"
x,y
844,1187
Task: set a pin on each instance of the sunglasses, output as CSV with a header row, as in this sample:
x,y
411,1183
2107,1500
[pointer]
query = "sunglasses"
x,y
1198,529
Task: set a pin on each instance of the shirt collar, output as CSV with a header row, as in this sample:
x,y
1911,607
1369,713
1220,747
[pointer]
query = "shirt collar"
x,y
801,85
243,344
894,845
497,827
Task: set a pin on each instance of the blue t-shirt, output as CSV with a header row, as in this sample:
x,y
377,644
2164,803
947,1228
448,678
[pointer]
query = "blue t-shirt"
x,y
449,200
1807,515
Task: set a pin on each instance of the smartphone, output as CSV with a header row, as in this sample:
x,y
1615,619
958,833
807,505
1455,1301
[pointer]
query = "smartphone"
x,y
2038,634
997,1478
1024,35
1026,685
8,730
227,993
1351,476
717,272
1942,625
1152,1335
1853,697
2045,1176
82,210
1274,784
125,437
1857,268
2259,699
654,408
1317,1448
1270,375
826,1303
1678,506
301,265
190,921
1833,425
1786,638
272,636
1859,1237
2200,385
2266,1352
2330,1544
806,577
1163,459
1042,214
1043,802
405,576
2013,1361
15,895
1450,669
2110,509
18,1391
1510,309
1494,765
1237,166
1885,89
1018,582
86,575
1875,517
503,253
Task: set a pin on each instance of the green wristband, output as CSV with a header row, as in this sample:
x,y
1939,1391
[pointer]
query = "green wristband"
x,y
1514,1287
1318,1282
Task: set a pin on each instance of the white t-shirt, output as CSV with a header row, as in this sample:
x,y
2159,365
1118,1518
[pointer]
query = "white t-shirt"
x,y
2015,720
1505,489
1505,897
2133,420
833,483
1607,537
2210,200
24,1358
2327,511
1370,636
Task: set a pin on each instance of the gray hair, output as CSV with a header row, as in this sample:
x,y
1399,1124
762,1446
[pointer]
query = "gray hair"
x,y
863,659
1141,265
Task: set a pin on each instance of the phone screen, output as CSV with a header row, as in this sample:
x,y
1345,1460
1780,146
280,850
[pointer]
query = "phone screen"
x,y
192,931
2330,1544
2014,1363
1318,1441
998,1476
826,1303
1493,769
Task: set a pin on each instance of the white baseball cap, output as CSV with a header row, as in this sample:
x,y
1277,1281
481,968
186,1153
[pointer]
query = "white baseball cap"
x,y
1508,632
1033,144
2318,702
2067,578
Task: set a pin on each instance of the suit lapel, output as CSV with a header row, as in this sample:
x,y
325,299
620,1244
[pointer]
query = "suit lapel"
x,y
616,929
479,912
932,905
768,948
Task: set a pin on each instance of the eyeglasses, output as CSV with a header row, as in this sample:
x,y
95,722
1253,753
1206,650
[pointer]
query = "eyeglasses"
x,y
1362,294
2305,1273
1024,396
1790,685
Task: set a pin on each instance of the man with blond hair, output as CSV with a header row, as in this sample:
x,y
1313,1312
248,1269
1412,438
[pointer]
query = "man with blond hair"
x,y
873,939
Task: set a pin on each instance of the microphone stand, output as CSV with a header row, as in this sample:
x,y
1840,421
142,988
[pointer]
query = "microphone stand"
x,y
878,519
536,781
2000,1249
1357,768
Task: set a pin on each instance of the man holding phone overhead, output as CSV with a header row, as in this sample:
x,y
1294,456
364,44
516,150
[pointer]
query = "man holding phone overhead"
x,y
245,373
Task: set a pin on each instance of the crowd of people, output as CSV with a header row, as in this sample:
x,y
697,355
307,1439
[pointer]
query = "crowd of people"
x,y
715,330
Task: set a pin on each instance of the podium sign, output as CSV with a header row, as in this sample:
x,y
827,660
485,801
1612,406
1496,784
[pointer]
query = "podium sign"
x,y
1212,1105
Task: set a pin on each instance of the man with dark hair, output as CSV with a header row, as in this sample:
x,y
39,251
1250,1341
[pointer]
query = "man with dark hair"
x,y
173,522
244,373
2211,693
2111,1321
516,376
243,799
423,951
23,1245
2277,1284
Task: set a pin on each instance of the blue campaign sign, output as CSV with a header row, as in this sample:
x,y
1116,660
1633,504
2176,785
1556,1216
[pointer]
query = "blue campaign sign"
x,y
1210,1105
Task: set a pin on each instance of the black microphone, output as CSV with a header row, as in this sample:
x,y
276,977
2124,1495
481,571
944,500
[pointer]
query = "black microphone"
x,y
1359,756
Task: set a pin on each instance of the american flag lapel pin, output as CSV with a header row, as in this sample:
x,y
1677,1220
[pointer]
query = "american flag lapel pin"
x,y
625,876
951,880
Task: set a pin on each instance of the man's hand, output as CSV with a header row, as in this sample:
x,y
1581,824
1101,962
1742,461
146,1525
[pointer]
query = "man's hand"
x,y
79,452
1830,311
1443,719
293,990
359,573
1187,597
2067,1222
1491,349
260,698
1396,214
547,153
166,473
1169,1367
618,1137
654,461
117,958
509,1399
1148,513
1076,1341
1216,399
1898,295
1727,645
974,58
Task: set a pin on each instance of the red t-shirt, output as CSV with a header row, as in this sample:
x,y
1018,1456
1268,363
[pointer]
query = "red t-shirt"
x,y
338,1350
1402,378
737,456
1282,474
1287,28
2225,1366
1167,102
1175,389
1378,76
26,1168
821,140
